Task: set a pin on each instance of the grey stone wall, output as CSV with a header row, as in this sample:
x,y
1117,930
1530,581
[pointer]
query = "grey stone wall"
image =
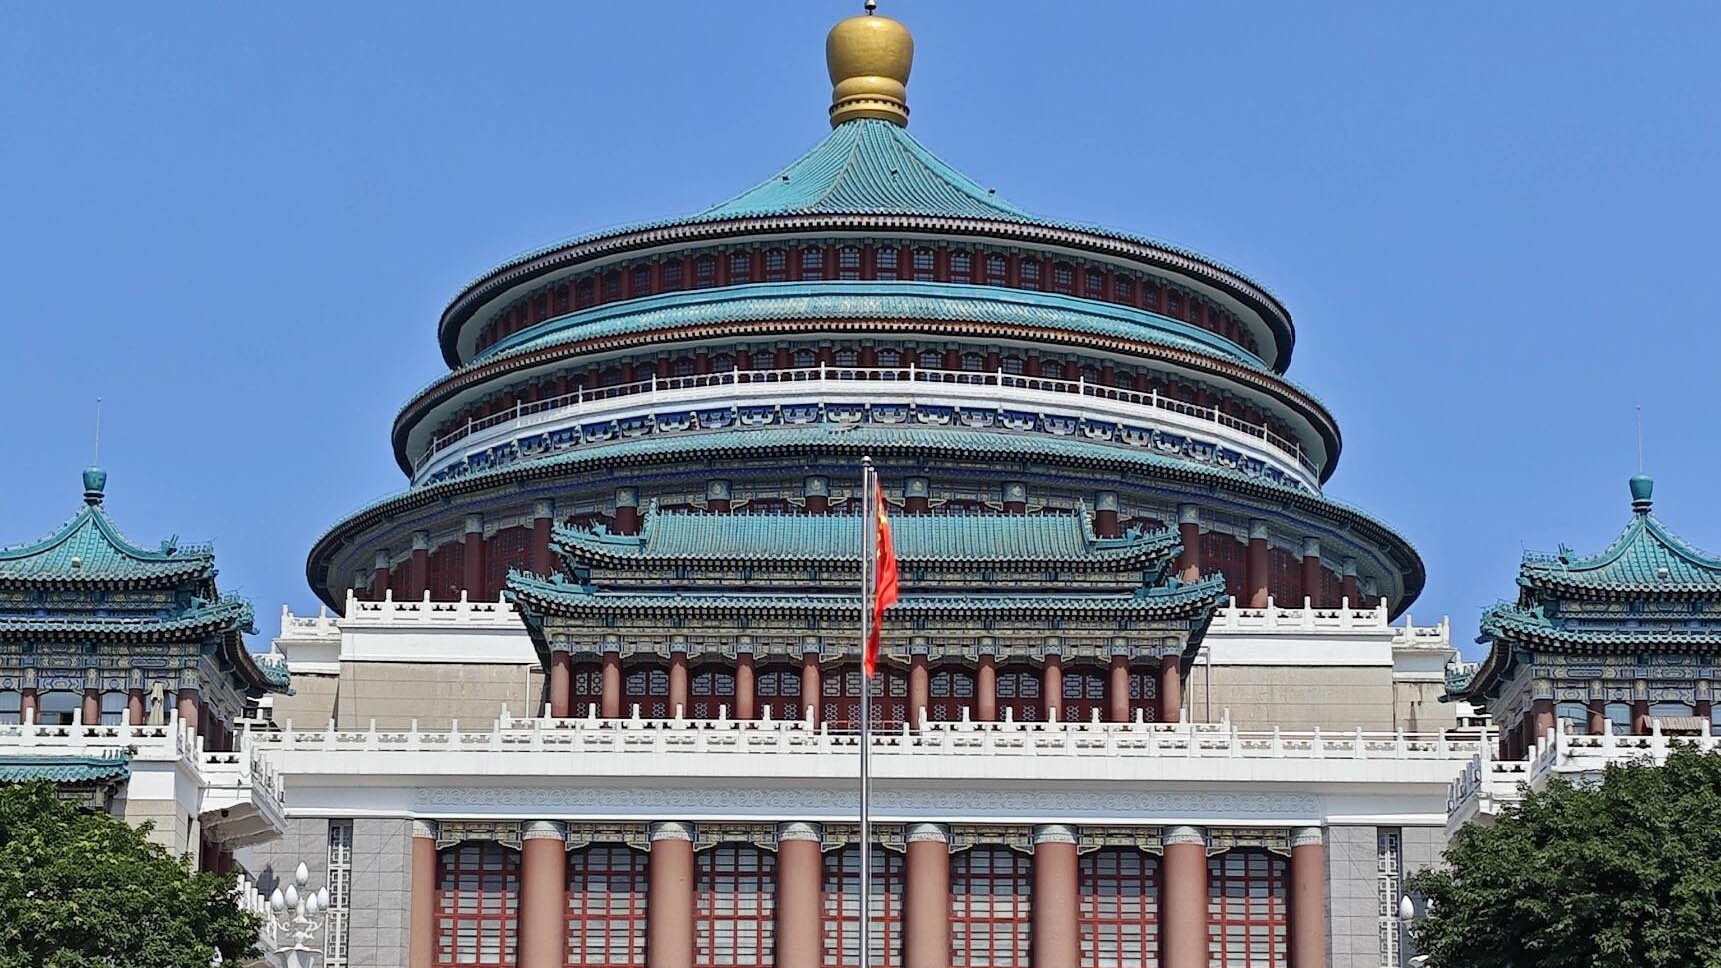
x,y
1293,697
1422,847
1353,938
306,840
381,899
396,693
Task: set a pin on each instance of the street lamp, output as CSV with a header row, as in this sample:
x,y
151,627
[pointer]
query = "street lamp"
x,y
297,914
1407,917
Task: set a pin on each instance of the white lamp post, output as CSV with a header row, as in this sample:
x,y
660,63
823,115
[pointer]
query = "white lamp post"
x,y
1407,917
298,915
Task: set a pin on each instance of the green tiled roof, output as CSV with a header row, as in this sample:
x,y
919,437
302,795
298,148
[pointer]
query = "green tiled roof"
x,y
742,536
868,167
88,548
1646,559
64,769
1509,621
1171,600
853,299
227,615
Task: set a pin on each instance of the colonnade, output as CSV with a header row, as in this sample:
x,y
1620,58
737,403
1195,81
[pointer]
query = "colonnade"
x,y
926,938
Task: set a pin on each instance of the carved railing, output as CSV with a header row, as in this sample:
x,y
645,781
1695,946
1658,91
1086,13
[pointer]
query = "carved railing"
x,y
1563,753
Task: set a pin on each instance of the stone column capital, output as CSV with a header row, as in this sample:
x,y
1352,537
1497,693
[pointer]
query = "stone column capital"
x,y
421,541
799,830
543,830
1350,568
926,833
1257,529
671,830
1188,514
474,523
544,508
627,497
381,560
1183,835
424,828
1055,833
1105,501
1306,837
1311,547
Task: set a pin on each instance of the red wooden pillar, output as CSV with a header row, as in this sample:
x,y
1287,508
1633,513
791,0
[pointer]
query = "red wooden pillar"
x,y
1308,899
1170,689
92,711
1183,899
543,516
1640,716
669,897
1052,688
418,569
1117,690
421,913
926,897
817,491
678,683
1255,568
746,687
1189,534
986,689
561,684
1056,934
1015,498
919,686
1105,514
611,705
1348,584
28,709
1311,573
1542,711
717,495
627,510
472,558
136,710
543,895
1598,716
810,686
190,701
916,495
379,577
800,910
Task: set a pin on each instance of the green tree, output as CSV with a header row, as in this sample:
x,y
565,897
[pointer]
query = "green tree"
x,y
80,889
1624,872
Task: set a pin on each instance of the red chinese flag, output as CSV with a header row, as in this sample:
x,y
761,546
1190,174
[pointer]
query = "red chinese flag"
x,y
884,580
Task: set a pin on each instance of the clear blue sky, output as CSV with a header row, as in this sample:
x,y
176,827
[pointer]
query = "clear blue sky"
x,y
1495,225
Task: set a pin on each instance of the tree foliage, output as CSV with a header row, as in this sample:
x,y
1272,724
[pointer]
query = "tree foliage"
x,y
1624,872
80,889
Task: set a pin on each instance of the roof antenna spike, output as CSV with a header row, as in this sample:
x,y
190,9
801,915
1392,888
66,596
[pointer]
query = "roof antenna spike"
x,y
1640,438
98,461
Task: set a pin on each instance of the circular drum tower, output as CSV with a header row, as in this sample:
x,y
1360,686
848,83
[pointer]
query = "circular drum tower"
x,y
868,299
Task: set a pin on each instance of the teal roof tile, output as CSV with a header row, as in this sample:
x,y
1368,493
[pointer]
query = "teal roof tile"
x,y
228,615
953,537
65,769
1645,559
88,548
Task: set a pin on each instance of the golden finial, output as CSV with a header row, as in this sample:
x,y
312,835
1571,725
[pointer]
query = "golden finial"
x,y
869,58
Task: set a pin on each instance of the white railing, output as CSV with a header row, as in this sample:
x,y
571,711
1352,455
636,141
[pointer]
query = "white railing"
x,y
1013,389
500,613
720,736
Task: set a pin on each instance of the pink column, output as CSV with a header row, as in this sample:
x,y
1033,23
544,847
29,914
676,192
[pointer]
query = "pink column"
x,y
1308,899
1348,584
1052,688
669,897
472,558
27,708
543,515
1183,899
1311,572
1255,566
1170,689
1117,690
800,881
746,687
379,577
678,691
626,510
92,711
1598,716
611,706
561,684
919,687
1189,535
189,703
986,689
418,569
1105,514
810,689
421,916
1543,710
1056,929
136,711
543,896
926,897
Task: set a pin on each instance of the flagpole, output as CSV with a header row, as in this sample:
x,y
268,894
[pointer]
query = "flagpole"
x,y
869,565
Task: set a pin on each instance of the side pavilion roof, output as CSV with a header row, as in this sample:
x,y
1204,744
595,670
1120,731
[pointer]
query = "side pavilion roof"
x,y
90,549
1645,560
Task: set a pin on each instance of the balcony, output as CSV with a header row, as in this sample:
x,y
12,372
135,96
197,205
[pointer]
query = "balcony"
x,y
910,387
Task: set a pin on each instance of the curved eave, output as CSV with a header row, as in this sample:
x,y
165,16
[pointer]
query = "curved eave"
x,y
1146,252
735,444
1262,381
114,580
1614,591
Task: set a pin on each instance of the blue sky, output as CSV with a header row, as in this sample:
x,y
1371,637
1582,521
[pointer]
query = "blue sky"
x,y
1494,224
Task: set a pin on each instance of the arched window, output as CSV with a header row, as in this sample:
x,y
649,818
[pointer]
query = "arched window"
x,y
57,707
842,907
1575,716
990,897
477,905
1030,273
813,262
1246,908
931,359
884,263
734,908
1118,908
606,907
583,294
115,708
996,266
1619,715
776,265
779,692
683,366
641,280
612,284
740,267
961,267
713,687
1019,693
952,691
848,262
587,689
923,264
1013,365
1123,290
704,272
805,358
1093,284
1063,277
842,689
723,361
11,707
847,356
1150,295
647,686
672,274
889,356
1084,694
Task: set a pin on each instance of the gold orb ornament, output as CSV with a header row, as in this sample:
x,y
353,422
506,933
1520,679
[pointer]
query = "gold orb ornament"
x,y
869,58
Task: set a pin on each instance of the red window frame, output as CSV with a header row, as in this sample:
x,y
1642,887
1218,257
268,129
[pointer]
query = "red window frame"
x,y
1118,908
607,892
711,687
586,689
839,707
991,894
735,904
1246,917
950,691
1019,689
1143,694
778,690
477,900
1084,693
842,907
646,684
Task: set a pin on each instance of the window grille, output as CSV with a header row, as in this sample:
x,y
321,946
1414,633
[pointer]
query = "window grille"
x,y
952,691
842,908
923,264
740,267
1019,692
1389,872
477,905
587,689
641,280
1063,277
1093,286
735,908
672,274
776,265
606,907
889,692
648,687
779,691
1123,289
995,270
713,688
1246,909
1143,695
340,893
990,897
812,262
1119,909
961,267
1030,273
884,263
848,262
1084,694
115,707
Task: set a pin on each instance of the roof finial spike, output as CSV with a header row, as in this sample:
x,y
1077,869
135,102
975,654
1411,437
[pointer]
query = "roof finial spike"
x,y
1642,485
1640,438
96,479
98,459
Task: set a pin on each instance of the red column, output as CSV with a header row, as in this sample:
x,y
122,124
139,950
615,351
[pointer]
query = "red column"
x,y
379,577
136,711
1308,899
92,711
800,881
543,896
1056,928
1640,716
1183,899
611,708
543,515
916,495
669,897
926,898
919,688
421,916
1311,573
717,495
188,706
472,558
1189,534
1105,514
626,510
1348,584
810,688
561,684
746,688
1543,711
677,684
27,708
986,689
1015,498
1255,566
418,569
817,491
1598,716
1117,690
1052,688
1170,689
